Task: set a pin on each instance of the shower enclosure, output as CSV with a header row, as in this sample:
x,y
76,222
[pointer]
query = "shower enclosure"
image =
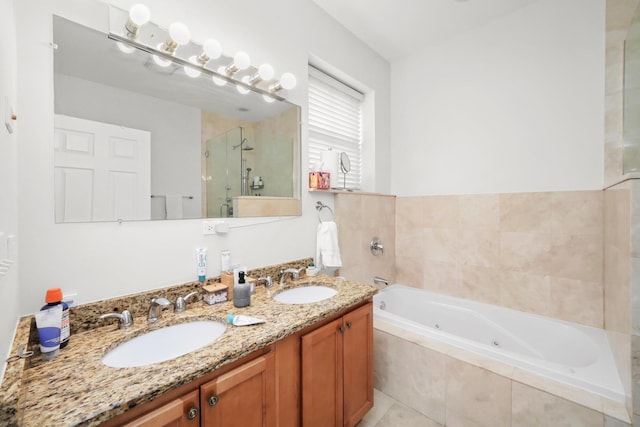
x,y
228,160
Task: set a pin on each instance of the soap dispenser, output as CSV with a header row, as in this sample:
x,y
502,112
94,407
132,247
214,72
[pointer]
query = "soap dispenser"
x,y
241,292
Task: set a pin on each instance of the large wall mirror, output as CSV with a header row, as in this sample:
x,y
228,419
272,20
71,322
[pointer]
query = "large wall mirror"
x,y
137,141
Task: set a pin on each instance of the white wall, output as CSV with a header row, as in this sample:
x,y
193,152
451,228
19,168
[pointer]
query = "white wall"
x,y
175,138
512,106
104,260
8,179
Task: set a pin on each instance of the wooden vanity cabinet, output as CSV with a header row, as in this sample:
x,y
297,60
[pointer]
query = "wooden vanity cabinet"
x,y
180,412
244,397
242,394
321,376
337,370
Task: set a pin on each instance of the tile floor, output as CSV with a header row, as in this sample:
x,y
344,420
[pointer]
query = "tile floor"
x,y
388,412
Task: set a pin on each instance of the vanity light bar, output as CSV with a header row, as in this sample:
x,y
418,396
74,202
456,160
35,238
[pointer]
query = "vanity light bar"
x,y
165,53
185,63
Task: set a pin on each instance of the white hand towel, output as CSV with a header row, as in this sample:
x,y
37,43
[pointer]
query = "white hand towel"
x,y
327,250
174,206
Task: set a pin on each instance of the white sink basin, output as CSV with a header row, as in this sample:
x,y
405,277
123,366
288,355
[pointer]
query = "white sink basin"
x,y
305,294
164,344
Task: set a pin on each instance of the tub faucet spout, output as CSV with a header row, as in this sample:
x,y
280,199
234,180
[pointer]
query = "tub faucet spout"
x,y
380,281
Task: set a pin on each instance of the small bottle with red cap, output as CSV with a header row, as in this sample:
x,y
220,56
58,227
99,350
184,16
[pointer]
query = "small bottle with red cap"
x,y
53,298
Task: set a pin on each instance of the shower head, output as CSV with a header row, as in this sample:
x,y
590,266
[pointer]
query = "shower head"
x,y
244,147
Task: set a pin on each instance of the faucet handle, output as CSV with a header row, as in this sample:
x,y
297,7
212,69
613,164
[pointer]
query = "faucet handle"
x,y
267,281
181,302
125,319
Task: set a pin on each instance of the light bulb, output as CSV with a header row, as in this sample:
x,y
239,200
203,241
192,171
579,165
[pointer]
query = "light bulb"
x,y
243,90
124,48
268,98
217,80
192,71
265,71
139,14
288,81
241,60
212,49
161,62
179,33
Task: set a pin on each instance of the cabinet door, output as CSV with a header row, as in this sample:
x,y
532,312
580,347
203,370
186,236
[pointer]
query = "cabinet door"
x,y
358,364
322,376
243,397
181,412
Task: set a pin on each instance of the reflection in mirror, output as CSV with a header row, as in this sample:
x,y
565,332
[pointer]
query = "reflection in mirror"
x,y
136,141
631,156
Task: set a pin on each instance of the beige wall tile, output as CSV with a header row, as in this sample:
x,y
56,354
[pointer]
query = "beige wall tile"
x,y
612,422
377,211
409,212
614,69
411,374
525,212
526,252
410,271
476,397
348,211
635,373
577,257
612,160
533,408
441,244
410,243
613,105
440,212
621,347
442,277
480,284
577,301
479,247
634,284
619,14
401,415
577,212
525,292
479,212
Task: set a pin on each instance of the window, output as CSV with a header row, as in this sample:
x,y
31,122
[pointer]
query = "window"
x,y
335,122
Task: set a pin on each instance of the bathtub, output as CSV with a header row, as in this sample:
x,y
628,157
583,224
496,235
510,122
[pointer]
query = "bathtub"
x,y
568,353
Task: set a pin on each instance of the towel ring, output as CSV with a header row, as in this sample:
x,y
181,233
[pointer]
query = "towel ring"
x,y
319,207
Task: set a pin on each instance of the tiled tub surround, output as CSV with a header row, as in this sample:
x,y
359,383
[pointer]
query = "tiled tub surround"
x,y
77,389
536,252
458,388
428,369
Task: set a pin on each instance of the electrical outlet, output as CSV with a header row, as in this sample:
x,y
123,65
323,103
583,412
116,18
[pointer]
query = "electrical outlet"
x,y
209,227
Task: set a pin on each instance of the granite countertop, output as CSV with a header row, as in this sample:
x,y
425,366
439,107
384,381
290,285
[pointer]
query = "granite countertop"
x,y
77,389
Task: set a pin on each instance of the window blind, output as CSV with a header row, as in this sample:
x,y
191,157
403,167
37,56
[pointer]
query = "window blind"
x,y
335,121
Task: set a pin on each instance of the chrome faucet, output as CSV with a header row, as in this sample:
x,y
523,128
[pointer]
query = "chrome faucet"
x,y
295,274
155,310
181,302
124,319
267,281
380,281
